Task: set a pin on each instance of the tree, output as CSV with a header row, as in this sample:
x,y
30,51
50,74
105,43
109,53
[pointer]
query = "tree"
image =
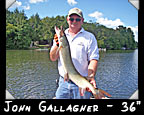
x,y
20,31
10,36
35,23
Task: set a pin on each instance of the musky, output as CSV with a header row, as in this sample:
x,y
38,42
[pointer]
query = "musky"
x,y
110,13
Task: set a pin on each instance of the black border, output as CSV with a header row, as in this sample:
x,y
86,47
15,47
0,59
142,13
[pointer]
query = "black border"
x,y
2,53
102,104
141,50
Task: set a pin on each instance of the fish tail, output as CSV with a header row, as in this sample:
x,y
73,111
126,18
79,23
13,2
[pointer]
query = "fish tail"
x,y
100,94
104,92
95,96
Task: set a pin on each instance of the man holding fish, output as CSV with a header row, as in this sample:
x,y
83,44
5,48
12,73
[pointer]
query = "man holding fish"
x,y
77,53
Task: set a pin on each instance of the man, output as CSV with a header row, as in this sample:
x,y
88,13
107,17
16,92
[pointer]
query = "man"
x,y
84,53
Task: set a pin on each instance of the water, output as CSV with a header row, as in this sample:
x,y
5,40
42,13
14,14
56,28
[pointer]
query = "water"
x,y
118,73
31,75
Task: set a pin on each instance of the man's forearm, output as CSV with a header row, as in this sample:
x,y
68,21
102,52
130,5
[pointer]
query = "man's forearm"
x,y
92,68
54,54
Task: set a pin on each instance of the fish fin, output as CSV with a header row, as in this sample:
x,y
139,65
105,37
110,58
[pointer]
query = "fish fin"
x,y
66,77
82,91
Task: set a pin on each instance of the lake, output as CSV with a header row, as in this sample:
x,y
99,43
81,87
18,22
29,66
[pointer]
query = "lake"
x,y
31,75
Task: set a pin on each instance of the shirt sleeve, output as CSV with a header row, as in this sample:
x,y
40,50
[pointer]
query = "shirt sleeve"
x,y
93,51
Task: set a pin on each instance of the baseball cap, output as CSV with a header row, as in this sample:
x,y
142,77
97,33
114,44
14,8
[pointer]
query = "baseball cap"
x,y
75,11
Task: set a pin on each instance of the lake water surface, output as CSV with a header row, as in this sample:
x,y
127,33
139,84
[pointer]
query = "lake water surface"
x,y
31,75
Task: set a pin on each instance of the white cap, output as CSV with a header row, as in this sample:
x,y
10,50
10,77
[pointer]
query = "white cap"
x,y
76,11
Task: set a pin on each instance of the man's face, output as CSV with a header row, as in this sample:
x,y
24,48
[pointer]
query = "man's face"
x,y
74,21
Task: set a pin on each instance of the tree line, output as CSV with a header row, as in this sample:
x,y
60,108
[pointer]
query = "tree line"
x,y
21,31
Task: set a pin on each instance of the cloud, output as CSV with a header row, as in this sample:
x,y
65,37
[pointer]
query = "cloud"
x,y
105,21
71,2
35,1
26,7
96,14
16,4
19,4
135,30
112,23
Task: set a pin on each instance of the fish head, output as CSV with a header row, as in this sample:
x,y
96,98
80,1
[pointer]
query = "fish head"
x,y
61,37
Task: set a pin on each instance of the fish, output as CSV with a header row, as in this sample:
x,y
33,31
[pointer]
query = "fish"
x,y
70,70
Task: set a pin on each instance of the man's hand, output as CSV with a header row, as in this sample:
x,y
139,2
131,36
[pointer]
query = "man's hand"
x,y
92,81
54,55
56,39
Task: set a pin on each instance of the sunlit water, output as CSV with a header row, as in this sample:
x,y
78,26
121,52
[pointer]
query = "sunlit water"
x,y
31,75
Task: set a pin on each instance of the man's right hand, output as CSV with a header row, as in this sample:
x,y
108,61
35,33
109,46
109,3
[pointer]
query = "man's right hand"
x,y
56,39
54,55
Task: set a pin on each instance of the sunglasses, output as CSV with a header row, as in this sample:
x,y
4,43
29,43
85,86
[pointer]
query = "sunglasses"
x,y
77,19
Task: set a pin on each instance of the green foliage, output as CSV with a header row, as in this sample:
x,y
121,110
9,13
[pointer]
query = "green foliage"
x,y
109,38
21,31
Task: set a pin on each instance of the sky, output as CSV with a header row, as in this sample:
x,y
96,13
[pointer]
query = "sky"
x,y
110,13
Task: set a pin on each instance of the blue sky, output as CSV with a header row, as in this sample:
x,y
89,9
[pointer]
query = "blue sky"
x,y
110,13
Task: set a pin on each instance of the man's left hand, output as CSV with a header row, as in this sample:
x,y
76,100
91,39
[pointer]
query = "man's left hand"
x,y
92,81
